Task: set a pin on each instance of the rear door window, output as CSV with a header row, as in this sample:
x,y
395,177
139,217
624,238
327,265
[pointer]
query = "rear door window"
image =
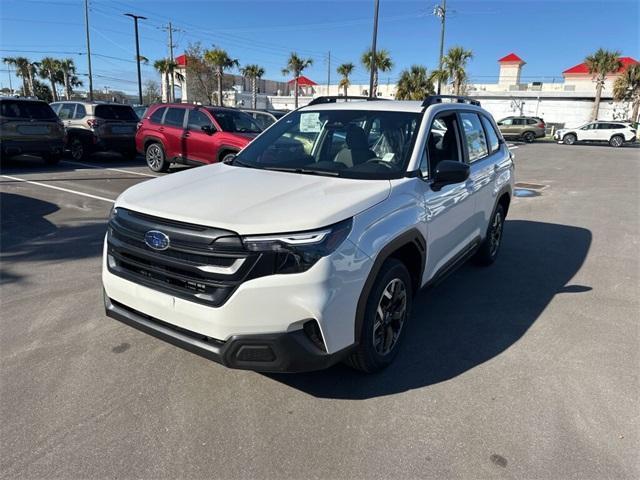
x,y
494,143
174,117
157,115
66,111
116,112
474,136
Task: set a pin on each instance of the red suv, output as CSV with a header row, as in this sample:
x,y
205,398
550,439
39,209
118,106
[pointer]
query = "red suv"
x,y
192,134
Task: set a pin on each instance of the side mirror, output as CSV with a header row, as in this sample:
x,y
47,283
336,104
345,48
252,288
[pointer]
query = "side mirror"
x,y
208,129
449,172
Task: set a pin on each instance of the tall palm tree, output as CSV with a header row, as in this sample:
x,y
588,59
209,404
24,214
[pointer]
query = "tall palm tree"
x,y
344,71
454,63
295,66
21,65
600,64
33,68
414,84
49,69
167,69
220,61
383,64
69,78
627,87
253,73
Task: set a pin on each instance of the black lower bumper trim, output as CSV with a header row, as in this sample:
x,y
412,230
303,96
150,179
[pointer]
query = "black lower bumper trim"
x,y
273,352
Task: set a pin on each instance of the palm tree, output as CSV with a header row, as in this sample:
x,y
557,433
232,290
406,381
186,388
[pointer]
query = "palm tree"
x,y
220,60
295,66
22,67
439,77
600,64
345,70
383,64
253,73
49,69
414,84
167,68
454,64
69,78
627,87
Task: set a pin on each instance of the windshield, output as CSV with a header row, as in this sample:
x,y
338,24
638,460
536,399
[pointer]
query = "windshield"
x,y
116,112
235,121
344,143
24,109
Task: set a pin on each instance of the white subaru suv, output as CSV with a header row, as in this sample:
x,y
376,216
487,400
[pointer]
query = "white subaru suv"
x,y
613,132
308,247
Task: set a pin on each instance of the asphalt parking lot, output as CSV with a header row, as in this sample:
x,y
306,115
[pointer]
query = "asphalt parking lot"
x,y
527,369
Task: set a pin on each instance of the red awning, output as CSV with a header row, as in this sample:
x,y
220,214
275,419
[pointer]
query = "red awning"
x,y
303,81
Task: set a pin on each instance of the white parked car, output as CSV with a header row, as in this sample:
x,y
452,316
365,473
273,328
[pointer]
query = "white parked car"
x,y
309,246
612,132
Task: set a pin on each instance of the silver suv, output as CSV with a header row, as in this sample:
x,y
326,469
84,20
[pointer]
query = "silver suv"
x,y
98,127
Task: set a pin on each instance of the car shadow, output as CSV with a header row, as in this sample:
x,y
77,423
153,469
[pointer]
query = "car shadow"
x,y
471,317
27,236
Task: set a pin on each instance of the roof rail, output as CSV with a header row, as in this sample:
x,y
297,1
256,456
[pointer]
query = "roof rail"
x,y
431,99
335,98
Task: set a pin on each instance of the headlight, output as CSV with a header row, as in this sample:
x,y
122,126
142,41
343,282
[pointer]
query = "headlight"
x,y
297,252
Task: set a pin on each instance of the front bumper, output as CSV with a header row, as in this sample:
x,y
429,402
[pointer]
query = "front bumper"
x,y
275,352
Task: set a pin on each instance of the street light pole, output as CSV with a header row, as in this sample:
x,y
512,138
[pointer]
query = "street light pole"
x,y
373,48
441,11
135,23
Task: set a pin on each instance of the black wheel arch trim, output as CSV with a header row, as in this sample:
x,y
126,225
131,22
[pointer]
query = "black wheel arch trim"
x,y
410,237
225,150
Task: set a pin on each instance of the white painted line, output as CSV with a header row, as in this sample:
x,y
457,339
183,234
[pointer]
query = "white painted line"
x,y
58,188
511,146
108,168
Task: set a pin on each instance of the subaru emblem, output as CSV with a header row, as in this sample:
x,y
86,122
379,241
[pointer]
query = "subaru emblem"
x,y
156,240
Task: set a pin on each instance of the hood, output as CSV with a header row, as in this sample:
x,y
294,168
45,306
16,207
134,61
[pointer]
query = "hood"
x,y
253,201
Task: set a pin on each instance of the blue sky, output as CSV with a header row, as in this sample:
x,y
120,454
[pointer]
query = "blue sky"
x,y
549,35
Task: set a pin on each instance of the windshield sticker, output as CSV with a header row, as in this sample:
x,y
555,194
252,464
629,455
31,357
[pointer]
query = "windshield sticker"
x,y
310,122
388,157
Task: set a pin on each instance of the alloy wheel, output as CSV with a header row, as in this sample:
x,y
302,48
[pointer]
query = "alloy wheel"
x,y
616,141
390,316
496,234
77,150
154,157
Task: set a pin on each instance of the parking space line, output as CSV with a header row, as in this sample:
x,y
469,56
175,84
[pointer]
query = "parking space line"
x,y
88,165
58,188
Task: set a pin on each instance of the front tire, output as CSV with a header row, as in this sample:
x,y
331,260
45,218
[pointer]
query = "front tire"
x,y
78,149
387,309
488,251
569,139
616,141
52,158
156,158
529,137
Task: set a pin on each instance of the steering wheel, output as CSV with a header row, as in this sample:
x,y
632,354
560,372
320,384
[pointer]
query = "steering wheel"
x,y
380,162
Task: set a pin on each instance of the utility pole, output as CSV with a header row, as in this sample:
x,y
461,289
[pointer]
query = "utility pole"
x,y
86,23
328,72
135,23
441,11
373,47
10,86
170,30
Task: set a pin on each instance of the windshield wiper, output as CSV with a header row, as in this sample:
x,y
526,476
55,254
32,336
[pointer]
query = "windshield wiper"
x,y
304,171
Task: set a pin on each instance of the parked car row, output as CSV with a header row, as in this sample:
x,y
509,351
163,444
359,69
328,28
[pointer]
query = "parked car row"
x,y
164,133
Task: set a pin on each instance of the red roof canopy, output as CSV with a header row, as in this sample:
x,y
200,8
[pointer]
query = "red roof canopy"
x,y
512,57
583,69
303,81
181,60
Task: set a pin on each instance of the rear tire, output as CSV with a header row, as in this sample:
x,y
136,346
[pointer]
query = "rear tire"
x,y
569,139
386,313
227,157
616,141
78,149
488,251
528,137
129,154
156,158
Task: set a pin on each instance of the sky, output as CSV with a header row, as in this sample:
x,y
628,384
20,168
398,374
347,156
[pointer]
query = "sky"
x,y
550,36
